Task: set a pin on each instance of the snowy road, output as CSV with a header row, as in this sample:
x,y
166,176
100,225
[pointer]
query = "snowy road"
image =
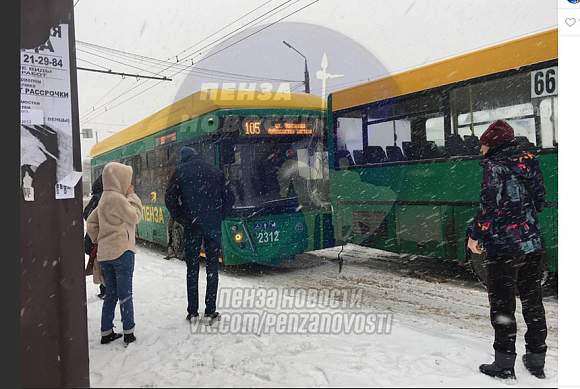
x,y
439,334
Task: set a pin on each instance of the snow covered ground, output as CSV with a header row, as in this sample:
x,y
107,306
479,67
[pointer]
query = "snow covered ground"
x,y
438,336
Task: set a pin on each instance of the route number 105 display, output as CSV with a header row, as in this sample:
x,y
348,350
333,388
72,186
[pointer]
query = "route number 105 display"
x,y
252,127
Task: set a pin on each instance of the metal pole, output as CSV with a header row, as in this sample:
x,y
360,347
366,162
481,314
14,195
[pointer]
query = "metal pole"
x,y
306,74
53,336
306,77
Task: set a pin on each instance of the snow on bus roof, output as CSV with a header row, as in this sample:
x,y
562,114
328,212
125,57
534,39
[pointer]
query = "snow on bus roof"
x,y
204,102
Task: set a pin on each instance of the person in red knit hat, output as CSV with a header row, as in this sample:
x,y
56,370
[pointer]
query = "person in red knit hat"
x,y
498,132
512,194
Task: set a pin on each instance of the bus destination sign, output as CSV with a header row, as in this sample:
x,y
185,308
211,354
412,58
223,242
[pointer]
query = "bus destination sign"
x,y
164,139
256,127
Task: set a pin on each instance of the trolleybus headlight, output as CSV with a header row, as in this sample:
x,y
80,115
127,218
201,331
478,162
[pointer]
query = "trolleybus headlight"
x,y
234,228
210,121
242,245
238,237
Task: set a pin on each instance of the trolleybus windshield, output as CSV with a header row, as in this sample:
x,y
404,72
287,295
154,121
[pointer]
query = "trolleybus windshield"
x,y
275,164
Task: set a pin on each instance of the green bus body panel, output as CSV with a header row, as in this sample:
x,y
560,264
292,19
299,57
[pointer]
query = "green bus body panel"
x,y
312,235
315,232
153,224
297,233
422,209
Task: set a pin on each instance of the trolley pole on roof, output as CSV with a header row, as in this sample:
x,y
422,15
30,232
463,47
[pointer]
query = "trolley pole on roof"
x,y
306,74
53,339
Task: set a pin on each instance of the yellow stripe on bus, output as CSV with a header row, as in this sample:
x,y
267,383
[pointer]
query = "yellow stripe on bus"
x,y
201,103
505,56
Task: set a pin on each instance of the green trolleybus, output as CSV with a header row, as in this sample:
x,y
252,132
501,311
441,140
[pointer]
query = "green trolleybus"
x,y
404,150
272,150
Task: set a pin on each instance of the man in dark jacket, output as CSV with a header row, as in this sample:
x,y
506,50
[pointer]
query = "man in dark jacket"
x,y
512,194
199,198
97,191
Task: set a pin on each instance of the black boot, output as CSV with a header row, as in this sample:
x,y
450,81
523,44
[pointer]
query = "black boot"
x,y
502,367
109,338
535,364
129,338
192,317
211,318
103,291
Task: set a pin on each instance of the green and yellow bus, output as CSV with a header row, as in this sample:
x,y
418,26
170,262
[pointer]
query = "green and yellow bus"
x,y
404,150
273,152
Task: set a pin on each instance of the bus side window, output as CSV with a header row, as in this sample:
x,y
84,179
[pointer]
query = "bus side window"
x,y
207,151
349,136
475,106
137,169
148,171
435,132
380,135
173,160
150,160
389,136
549,122
161,156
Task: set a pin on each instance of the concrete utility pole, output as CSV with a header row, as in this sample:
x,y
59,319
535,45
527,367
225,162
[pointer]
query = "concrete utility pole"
x,y
53,314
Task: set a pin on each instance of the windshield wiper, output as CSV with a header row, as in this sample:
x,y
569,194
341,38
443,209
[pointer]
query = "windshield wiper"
x,y
279,200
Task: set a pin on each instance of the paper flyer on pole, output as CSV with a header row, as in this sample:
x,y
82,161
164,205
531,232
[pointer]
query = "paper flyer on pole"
x,y
46,114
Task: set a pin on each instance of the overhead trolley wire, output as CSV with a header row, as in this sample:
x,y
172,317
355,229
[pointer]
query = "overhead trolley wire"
x,y
223,28
134,86
221,50
255,32
240,28
92,63
105,95
119,62
173,64
158,62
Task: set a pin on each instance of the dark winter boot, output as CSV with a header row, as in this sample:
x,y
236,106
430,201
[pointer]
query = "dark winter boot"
x,y
170,253
535,364
192,317
129,338
502,367
109,338
103,291
210,318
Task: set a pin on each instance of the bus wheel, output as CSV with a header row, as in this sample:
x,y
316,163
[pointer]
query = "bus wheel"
x,y
477,265
177,241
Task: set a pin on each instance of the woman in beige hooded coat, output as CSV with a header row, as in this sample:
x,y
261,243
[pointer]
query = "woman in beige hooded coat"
x,y
112,226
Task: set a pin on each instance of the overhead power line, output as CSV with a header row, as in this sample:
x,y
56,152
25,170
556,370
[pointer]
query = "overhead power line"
x,y
220,30
200,70
239,28
225,48
256,32
170,66
123,74
119,62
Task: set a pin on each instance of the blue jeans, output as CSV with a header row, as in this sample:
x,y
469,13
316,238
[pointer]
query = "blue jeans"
x,y
192,240
118,275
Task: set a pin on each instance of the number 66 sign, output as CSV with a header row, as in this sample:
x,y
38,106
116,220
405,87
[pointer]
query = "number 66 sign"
x,y
545,82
